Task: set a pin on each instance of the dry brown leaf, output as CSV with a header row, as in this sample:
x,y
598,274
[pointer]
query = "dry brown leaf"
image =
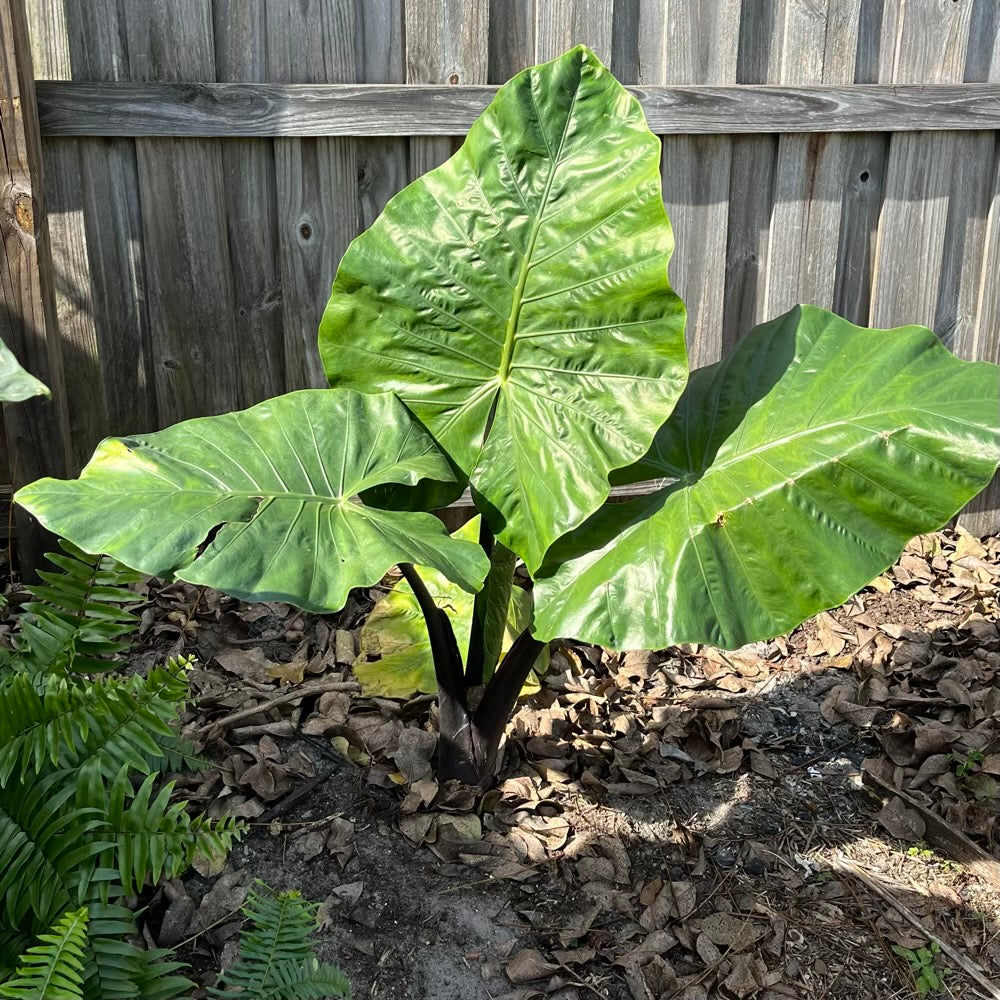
x,y
416,828
414,752
707,950
287,673
741,979
527,965
675,901
730,930
901,822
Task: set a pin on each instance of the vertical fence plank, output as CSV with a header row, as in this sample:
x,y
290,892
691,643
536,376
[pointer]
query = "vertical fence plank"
x,y
311,41
863,180
197,352
751,185
446,43
92,188
512,38
930,46
37,430
683,43
561,24
381,58
250,194
979,338
817,44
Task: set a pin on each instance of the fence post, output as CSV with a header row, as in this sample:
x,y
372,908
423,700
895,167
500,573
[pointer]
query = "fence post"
x,y
37,430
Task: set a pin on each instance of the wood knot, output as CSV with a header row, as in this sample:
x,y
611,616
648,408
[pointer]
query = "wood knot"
x,y
24,213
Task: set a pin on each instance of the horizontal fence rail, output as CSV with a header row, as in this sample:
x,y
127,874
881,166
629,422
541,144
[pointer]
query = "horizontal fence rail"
x,y
242,110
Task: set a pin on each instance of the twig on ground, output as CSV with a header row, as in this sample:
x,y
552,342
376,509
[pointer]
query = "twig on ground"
x,y
282,807
282,699
845,865
941,833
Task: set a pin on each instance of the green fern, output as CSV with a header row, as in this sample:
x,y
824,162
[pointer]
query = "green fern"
x,y
47,849
85,817
56,720
78,620
155,838
276,960
53,969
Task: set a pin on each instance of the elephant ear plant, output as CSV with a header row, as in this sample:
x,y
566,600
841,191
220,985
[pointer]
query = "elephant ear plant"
x,y
507,325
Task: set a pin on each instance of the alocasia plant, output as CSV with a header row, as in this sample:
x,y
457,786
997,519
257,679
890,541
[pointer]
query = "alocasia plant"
x,y
507,324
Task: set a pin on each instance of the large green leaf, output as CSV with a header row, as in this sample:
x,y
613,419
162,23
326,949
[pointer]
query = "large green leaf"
x,y
395,632
803,463
516,298
261,503
17,385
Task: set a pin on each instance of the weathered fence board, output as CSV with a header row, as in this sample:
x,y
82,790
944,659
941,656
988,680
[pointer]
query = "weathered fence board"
x,y
37,430
189,273
210,160
817,43
92,189
318,210
232,110
929,45
697,43
251,198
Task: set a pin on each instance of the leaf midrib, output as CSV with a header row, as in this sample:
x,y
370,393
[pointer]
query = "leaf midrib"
x,y
517,299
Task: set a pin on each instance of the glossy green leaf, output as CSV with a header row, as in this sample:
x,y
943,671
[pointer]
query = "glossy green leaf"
x,y
516,298
261,503
395,632
802,466
17,385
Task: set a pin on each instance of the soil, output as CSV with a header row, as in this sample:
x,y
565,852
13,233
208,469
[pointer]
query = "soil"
x,y
686,823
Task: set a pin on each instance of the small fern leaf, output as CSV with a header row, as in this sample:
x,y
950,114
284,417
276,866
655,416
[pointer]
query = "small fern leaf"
x,y
79,618
275,957
53,968
309,980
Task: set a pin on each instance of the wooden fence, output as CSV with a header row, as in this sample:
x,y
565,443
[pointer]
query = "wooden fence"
x,y
206,163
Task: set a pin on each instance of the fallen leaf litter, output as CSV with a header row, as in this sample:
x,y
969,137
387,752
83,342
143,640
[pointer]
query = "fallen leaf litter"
x,y
687,823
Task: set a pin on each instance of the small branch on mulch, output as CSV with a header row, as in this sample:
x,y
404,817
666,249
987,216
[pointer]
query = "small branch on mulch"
x,y
845,865
942,834
282,807
281,699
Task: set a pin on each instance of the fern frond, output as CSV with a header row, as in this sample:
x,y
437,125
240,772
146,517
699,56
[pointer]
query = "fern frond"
x,y
57,721
155,838
47,847
53,969
276,960
79,618
116,969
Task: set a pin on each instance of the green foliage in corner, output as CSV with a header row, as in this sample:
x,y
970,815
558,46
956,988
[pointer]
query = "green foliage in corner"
x,y
85,817
17,385
53,968
276,960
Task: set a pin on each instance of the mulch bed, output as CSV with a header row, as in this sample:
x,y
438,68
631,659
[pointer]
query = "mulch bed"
x,y
797,818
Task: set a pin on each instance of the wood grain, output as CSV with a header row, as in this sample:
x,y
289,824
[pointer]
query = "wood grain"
x,y
446,44
312,42
751,184
37,430
381,58
927,42
189,273
817,44
250,203
696,43
227,110
92,187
